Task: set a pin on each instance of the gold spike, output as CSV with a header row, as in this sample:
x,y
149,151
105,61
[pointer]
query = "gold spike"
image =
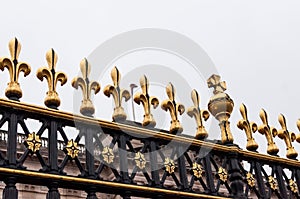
x,y
174,108
147,101
198,114
52,100
269,132
14,67
249,128
288,138
221,106
87,107
117,94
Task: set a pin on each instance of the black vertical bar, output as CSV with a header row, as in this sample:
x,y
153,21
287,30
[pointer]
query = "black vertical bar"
x,y
12,141
210,180
154,165
260,180
52,148
10,191
297,175
90,160
89,151
235,176
123,159
53,192
182,169
280,181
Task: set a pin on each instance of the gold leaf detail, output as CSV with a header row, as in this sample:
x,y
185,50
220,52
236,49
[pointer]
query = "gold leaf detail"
x,y
250,179
33,142
222,174
108,155
140,160
169,165
273,183
72,149
197,170
293,186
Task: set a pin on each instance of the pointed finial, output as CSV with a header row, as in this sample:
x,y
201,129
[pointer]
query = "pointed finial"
x,y
221,106
214,82
14,67
174,108
87,107
269,132
198,114
52,100
249,128
146,101
288,138
117,94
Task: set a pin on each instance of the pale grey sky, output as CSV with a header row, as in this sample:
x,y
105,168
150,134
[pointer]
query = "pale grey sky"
x,y
255,46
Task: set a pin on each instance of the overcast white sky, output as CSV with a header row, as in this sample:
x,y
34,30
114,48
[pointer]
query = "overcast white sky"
x,y
255,45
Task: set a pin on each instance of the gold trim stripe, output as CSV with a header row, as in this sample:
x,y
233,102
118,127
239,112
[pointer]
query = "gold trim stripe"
x,y
104,183
137,130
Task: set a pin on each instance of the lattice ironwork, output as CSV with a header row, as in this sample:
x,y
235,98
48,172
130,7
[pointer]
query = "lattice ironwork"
x,y
128,158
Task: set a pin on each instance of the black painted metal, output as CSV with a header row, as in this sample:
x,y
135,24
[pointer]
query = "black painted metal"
x,y
124,169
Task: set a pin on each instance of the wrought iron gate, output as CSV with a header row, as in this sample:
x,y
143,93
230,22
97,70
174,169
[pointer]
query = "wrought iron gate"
x,y
128,158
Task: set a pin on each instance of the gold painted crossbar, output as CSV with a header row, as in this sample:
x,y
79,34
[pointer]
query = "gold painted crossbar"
x,y
129,187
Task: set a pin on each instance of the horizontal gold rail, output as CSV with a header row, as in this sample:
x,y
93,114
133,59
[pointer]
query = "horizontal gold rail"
x,y
142,131
128,187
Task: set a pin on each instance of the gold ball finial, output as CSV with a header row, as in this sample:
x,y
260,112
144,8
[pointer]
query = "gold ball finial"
x,y
221,106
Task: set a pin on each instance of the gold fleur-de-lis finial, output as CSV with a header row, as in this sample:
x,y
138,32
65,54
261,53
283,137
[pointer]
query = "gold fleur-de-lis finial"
x,y
14,67
248,127
147,101
288,138
174,108
52,100
117,93
87,107
220,106
269,132
198,114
